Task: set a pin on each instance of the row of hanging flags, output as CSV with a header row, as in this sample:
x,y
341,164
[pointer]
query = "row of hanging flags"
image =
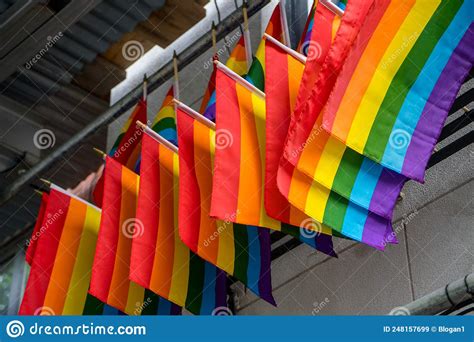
x,y
313,143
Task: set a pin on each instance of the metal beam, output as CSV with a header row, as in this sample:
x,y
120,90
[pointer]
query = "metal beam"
x,y
70,14
199,47
440,300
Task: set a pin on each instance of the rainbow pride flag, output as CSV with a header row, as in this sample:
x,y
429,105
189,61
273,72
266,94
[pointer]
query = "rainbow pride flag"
x,y
110,271
160,261
399,81
256,74
126,149
304,44
241,251
61,258
238,63
238,181
324,159
165,120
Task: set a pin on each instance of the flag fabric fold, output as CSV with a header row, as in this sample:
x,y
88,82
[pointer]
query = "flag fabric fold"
x,y
324,158
160,261
110,272
241,251
399,81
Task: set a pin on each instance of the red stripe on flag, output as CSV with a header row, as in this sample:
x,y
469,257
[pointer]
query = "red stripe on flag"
x,y
43,261
106,249
228,115
189,222
148,213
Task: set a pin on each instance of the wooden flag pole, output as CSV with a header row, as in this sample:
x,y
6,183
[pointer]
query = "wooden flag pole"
x,y
214,38
176,79
248,45
195,115
145,87
100,152
147,130
300,57
284,24
46,182
239,79
38,192
332,7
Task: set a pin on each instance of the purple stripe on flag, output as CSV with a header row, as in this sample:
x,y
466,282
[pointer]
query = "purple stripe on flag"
x,y
264,283
324,244
374,236
221,288
386,192
436,110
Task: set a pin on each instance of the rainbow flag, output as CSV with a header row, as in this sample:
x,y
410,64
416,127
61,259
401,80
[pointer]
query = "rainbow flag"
x,y
126,149
238,63
256,74
62,258
238,183
303,192
304,45
398,83
324,159
165,120
160,261
37,230
241,251
110,271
